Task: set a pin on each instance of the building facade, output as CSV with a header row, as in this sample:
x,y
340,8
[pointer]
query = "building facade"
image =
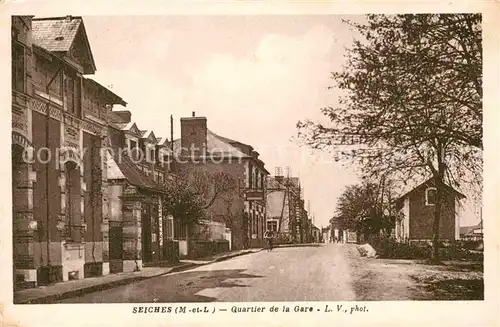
x,y
60,212
285,208
141,230
416,214
316,234
243,210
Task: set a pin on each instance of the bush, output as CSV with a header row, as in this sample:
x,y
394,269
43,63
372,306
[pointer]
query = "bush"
x,y
388,248
458,251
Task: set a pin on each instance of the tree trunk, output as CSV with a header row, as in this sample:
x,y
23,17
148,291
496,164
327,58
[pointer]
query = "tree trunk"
x,y
439,184
437,219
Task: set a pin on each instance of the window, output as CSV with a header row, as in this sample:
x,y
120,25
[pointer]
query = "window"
x,y
256,181
72,94
132,144
151,155
73,201
272,225
250,177
430,196
18,71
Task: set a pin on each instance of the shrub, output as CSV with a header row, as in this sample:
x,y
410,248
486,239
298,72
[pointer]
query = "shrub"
x,y
388,248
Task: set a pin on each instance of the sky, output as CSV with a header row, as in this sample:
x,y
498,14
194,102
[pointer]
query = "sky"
x,y
253,77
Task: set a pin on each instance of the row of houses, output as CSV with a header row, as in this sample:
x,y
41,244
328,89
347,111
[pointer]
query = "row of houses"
x,y
88,183
287,216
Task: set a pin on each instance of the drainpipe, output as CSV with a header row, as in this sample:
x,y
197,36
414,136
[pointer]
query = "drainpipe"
x,y
47,130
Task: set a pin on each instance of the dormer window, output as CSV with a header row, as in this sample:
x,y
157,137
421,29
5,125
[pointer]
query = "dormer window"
x,y
132,144
430,196
151,155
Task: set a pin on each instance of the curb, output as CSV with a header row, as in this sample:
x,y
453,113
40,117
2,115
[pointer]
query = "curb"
x,y
101,287
234,256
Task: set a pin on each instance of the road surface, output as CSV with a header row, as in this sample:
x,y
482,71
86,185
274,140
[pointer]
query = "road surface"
x,y
329,272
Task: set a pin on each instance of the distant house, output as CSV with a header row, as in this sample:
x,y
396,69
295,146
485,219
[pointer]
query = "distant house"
x,y
325,234
316,234
416,213
472,233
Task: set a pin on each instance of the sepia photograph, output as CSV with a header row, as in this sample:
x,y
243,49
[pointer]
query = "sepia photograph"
x,y
259,158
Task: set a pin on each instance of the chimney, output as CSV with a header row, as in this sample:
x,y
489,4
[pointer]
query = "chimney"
x,y
194,114
194,135
69,18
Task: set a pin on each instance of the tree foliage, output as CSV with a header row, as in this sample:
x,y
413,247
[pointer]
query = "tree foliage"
x,y
363,208
412,104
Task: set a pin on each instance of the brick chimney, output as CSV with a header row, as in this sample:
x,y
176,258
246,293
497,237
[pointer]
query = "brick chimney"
x,y
194,135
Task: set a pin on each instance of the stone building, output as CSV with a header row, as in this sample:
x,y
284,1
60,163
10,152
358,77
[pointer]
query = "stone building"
x,y
245,211
60,211
284,207
140,229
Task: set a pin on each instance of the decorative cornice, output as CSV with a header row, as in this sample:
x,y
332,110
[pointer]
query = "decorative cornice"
x,y
56,113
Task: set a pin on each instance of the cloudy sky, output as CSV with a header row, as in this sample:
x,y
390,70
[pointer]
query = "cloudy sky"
x,y
253,77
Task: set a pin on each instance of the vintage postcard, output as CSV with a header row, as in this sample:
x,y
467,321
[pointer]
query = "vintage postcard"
x,y
250,164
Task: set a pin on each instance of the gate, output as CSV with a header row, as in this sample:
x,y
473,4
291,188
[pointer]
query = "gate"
x,y
115,246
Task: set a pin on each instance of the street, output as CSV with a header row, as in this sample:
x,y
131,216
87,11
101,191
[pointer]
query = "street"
x,y
329,272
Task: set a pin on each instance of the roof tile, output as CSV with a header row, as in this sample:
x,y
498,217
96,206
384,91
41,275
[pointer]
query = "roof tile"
x,y
55,34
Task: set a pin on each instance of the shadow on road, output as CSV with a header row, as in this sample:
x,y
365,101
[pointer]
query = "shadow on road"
x,y
195,281
170,288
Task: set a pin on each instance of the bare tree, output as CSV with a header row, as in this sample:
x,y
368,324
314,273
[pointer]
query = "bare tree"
x,y
412,104
210,185
192,191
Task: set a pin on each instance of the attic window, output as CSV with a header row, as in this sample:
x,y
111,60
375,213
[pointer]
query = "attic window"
x,y
430,196
59,38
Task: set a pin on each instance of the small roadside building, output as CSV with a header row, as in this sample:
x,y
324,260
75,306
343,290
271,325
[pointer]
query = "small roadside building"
x,y
416,214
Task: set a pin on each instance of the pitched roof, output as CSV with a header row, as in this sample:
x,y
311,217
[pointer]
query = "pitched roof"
x,y
121,167
430,182
108,93
149,134
216,145
162,141
130,127
57,34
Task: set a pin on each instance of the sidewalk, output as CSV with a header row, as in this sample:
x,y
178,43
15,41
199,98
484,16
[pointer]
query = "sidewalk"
x,y
74,288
